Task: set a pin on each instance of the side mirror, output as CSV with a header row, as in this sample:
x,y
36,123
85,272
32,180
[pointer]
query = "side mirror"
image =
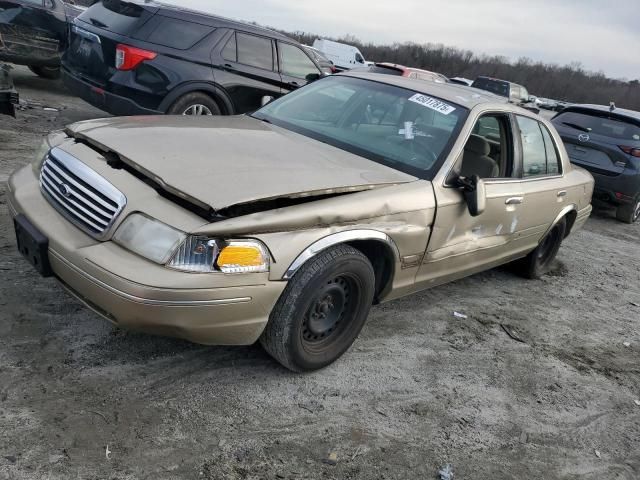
x,y
475,194
266,100
312,77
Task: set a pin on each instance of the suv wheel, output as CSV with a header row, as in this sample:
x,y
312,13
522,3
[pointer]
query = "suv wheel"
x,y
321,311
538,262
629,213
196,103
50,73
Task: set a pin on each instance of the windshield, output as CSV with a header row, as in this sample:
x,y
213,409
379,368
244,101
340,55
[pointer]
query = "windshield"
x,y
409,131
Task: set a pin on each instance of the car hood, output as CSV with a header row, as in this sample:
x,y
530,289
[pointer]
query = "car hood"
x,y
220,162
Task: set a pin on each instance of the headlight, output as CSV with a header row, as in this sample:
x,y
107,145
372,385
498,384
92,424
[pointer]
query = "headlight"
x,y
148,238
165,245
202,255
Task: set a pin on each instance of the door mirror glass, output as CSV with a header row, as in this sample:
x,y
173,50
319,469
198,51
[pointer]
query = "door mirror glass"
x,y
475,194
312,77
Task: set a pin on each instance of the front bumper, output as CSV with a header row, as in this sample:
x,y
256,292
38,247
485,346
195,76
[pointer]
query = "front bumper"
x,y
212,309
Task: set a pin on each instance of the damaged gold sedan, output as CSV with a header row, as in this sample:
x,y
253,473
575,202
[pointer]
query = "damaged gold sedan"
x,y
286,225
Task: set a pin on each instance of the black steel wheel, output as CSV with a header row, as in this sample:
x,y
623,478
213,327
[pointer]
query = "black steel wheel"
x,y
322,310
538,262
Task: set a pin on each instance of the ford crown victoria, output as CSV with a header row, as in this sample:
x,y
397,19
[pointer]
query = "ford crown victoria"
x,y
286,225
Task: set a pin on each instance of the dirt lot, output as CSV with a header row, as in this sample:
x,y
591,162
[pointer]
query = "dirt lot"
x,y
421,388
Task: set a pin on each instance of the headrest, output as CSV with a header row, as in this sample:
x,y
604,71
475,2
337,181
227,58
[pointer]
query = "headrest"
x,y
478,145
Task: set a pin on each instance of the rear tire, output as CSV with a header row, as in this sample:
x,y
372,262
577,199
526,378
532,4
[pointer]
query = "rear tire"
x,y
538,262
196,103
321,311
629,213
50,73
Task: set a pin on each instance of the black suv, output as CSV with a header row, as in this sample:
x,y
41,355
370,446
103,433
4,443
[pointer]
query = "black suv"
x,y
131,58
606,141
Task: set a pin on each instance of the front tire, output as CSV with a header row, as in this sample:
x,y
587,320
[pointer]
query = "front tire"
x,y
50,73
629,213
196,103
321,311
538,262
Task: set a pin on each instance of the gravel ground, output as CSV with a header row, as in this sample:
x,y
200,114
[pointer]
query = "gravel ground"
x,y
421,388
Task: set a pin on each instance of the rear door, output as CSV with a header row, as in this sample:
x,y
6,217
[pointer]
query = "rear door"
x,y
296,68
247,67
597,141
96,33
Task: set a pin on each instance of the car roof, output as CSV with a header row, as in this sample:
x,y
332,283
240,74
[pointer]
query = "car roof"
x,y
206,18
451,92
623,112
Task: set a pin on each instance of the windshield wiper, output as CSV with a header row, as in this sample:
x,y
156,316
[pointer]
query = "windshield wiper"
x,y
577,127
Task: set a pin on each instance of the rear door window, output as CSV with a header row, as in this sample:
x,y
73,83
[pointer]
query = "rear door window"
x,y
539,153
604,125
178,34
553,158
295,63
254,51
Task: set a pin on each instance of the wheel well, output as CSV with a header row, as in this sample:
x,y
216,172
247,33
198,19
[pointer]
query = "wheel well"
x,y
225,105
221,105
382,259
571,219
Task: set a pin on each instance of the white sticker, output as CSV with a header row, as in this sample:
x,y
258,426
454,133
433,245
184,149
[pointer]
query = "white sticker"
x,y
432,103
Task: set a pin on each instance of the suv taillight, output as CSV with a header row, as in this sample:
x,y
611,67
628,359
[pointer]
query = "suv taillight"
x,y
634,152
128,58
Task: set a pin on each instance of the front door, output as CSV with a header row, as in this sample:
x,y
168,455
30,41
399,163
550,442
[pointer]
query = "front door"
x,y
460,243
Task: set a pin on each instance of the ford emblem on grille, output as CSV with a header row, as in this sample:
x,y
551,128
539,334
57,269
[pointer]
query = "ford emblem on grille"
x,y
64,190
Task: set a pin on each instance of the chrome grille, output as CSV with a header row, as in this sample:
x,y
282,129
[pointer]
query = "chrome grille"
x,y
79,193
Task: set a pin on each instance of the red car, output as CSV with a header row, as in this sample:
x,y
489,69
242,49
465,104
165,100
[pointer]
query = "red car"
x,y
401,70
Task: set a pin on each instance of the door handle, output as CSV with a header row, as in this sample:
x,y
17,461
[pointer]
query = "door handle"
x,y
514,201
294,84
562,193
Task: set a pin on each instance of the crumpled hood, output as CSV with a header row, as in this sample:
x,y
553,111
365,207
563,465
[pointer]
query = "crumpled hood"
x,y
225,161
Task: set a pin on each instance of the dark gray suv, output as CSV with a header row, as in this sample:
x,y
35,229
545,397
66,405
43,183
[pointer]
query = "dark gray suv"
x,y
606,141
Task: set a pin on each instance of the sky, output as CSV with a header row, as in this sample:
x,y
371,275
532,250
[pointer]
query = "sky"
x,y
603,35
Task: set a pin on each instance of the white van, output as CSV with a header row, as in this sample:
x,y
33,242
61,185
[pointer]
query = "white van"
x,y
343,56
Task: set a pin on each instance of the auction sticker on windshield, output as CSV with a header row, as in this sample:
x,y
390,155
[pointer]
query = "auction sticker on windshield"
x,y
432,103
